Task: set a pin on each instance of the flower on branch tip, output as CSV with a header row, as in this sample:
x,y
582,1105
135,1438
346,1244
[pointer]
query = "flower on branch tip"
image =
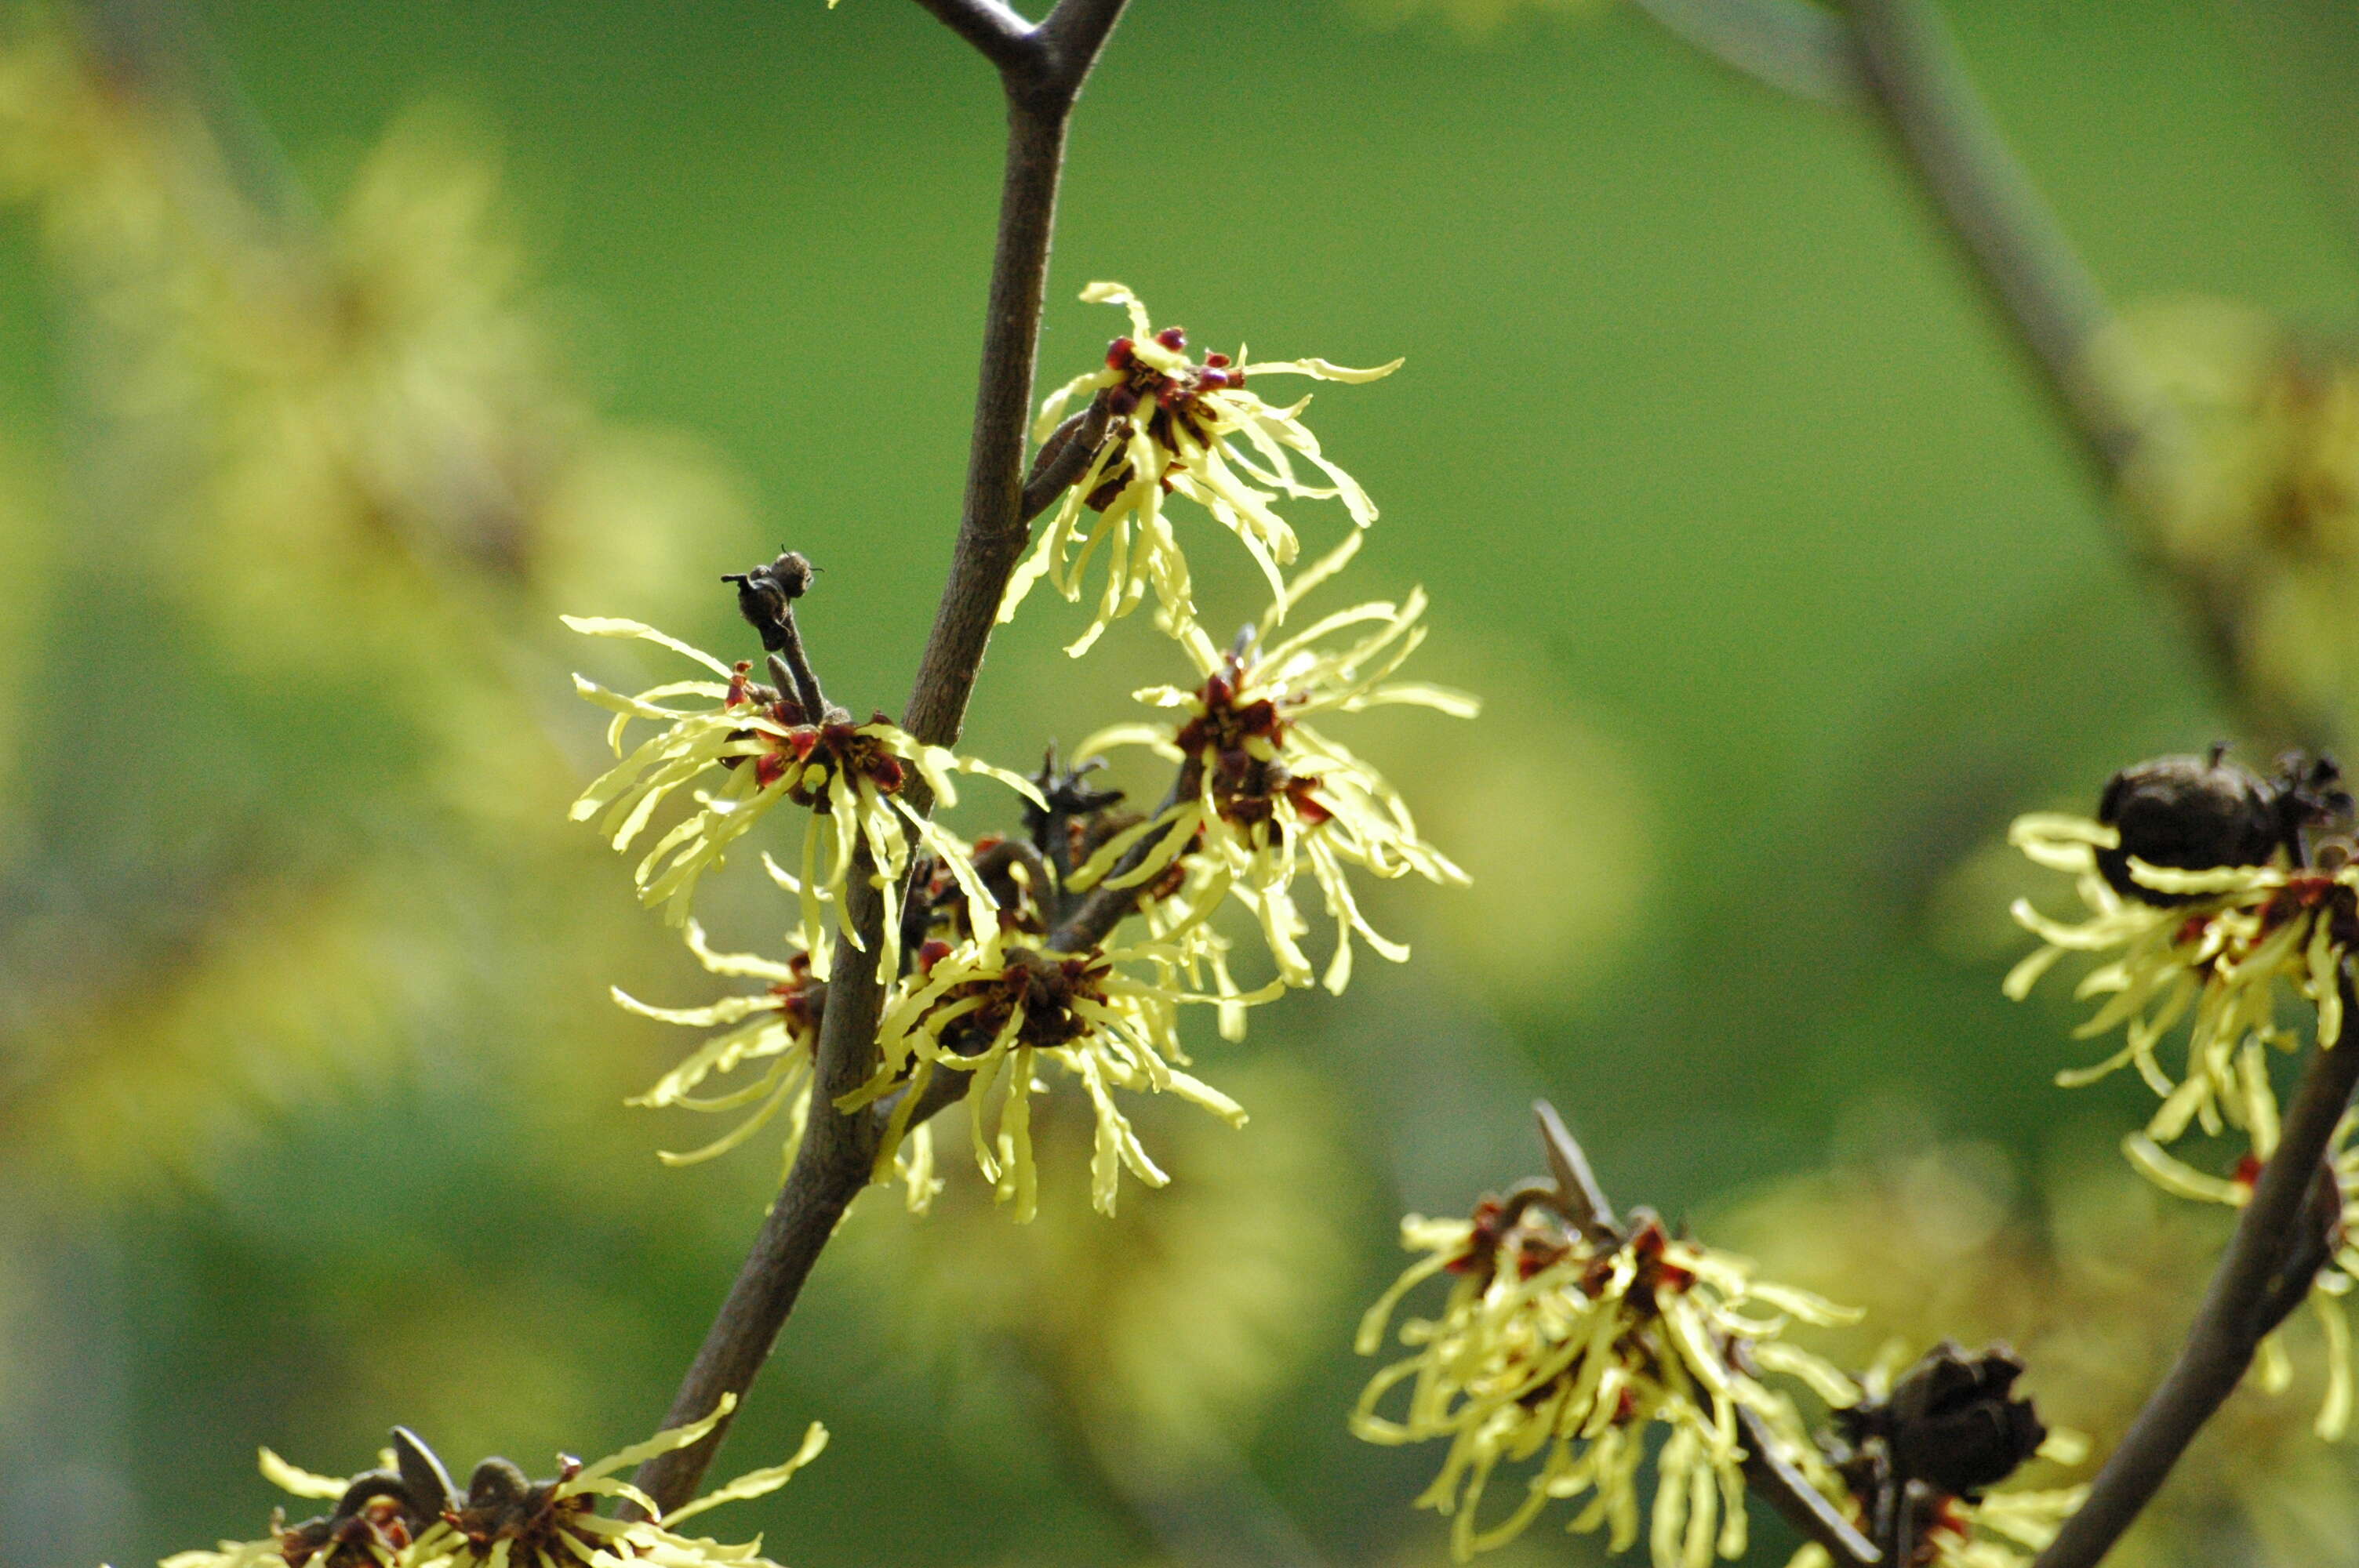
x,y
408,1515
775,1034
1560,1345
1267,797
852,777
1001,1007
1176,427
2214,957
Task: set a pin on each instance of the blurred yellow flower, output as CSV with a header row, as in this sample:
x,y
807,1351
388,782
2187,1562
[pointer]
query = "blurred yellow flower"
x,y
1175,427
504,1520
1576,1342
2214,958
1264,796
851,776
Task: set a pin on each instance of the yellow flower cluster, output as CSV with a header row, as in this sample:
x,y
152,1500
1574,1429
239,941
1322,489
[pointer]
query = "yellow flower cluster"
x,y
1565,1347
851,776
1001,1007
2217,959
504,1521
1262,794
998,964
1176,427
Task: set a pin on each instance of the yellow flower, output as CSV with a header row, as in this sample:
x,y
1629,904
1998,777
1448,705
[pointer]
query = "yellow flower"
x,y
1565,1346
852,777
1000,1007
381,1521
777,1028
2214,959
1272,796
1175,425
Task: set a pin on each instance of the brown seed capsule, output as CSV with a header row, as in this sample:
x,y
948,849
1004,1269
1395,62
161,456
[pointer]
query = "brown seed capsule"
x,y
2189,813
765,593
1954,1422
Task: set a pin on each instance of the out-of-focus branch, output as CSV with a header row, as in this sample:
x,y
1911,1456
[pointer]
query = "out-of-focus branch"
x,y
1576,1184
2265,1273
1950,141
1899,56
1042,70
1790,45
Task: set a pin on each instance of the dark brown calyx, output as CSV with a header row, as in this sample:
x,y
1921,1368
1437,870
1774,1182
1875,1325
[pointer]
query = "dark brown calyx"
x,y
504,1504
765,592
1952,1421
2189,813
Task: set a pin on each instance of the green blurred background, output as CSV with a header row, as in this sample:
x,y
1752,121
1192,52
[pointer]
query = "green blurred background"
x,y
1785,585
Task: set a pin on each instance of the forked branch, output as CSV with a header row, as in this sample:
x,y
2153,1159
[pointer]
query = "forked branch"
x,y
1042,68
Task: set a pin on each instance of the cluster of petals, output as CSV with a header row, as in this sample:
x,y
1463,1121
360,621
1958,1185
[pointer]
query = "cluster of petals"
x,y
1192,430
1001,1007
2217,958
1556,1351
554,1525
852,777
771,1036
1267,796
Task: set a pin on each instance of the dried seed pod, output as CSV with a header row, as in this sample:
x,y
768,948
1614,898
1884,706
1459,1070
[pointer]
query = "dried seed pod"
x,y
765,593
1954,1422
2189,814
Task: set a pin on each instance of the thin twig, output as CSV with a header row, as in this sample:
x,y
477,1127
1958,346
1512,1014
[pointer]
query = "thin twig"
x,y
790,666
1896,1539
1043,70
1785,1488
2249,1294
995,30
1068,449
1576,1184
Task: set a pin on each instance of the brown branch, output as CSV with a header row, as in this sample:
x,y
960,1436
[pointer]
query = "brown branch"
x,y
2259,1280
1949,140
1000,35
1042,70
1576,1184
1773,1477
1790,45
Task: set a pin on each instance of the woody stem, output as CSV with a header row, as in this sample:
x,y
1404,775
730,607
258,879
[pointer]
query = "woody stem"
x,y
1041,71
